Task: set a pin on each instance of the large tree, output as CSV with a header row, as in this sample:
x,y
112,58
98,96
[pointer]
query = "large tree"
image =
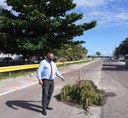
x,y
122,49
33,27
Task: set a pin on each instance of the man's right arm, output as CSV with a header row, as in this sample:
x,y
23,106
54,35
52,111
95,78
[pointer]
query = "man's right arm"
x,y
39,72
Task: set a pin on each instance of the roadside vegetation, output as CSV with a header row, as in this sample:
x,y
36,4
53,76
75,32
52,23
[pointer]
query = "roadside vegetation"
x,y
16,74
72,52
83,93
122,49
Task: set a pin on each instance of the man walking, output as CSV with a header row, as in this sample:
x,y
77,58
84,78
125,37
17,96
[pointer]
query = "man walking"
x,y
47,72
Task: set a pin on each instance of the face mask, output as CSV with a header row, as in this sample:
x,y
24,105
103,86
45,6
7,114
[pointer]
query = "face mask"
x,y
49,59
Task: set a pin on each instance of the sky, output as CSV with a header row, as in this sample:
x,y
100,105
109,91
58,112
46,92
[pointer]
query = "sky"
x,y
112,24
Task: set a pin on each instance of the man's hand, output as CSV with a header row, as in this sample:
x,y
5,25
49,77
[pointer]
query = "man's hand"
x,y
40,82
63,79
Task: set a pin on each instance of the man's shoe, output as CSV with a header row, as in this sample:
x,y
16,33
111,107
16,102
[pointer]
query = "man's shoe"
x,y
49,108
44,112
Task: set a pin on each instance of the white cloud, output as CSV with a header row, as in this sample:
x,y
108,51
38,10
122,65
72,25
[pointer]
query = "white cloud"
x,y
2,3
89,3
122,16
95,3
106,16
107,12
107,53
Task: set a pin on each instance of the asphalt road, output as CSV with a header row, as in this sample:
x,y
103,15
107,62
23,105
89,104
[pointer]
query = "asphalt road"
x,y
115,83
26,102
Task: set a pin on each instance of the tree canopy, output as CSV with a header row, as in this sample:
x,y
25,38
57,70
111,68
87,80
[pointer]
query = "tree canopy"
x,y
122,49
72,52
98,53
34,27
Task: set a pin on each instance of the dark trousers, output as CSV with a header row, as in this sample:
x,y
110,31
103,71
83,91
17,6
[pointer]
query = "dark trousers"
x,y
47,91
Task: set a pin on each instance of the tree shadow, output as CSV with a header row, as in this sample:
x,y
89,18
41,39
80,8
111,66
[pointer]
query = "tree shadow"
x,y
24,104
110,94
107,95
112,67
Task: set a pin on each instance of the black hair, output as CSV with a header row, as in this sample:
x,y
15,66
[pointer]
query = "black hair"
x,y
50,53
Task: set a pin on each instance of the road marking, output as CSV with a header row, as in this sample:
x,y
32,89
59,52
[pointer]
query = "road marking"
x,y
18,89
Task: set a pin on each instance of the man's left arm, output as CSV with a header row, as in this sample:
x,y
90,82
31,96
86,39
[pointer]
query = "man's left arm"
x,y
58,73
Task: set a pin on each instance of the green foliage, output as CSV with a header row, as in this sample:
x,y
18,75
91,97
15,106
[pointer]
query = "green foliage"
x,y
98,53
122,49
84,93
71,52
39,26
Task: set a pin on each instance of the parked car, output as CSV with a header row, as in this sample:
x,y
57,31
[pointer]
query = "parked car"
x,y
19,60
6,61
35,60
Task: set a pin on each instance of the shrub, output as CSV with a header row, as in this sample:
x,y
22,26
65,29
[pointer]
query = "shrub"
x,y
84,93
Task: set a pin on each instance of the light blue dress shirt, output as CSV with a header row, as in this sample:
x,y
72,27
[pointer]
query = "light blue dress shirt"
x,y
44,70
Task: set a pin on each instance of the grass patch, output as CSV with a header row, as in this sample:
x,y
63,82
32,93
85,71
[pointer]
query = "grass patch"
x,y
15,74
83,93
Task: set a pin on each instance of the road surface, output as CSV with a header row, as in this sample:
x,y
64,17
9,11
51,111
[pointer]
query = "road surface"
x,y
113,78
115,83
